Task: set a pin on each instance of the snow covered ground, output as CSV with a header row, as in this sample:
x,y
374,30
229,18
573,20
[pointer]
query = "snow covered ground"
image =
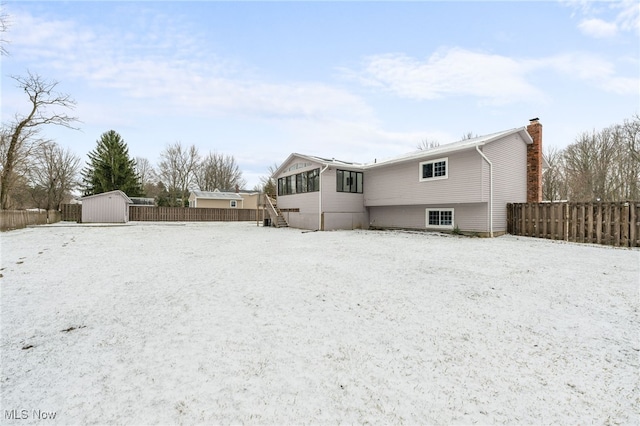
x,y
234,323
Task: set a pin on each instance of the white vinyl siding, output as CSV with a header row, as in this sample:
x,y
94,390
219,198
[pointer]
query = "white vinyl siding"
x,y
468,217
509,158
397,184
108,207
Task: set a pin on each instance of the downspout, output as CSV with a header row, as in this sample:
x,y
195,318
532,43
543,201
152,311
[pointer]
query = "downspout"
x,y
320,199
490,190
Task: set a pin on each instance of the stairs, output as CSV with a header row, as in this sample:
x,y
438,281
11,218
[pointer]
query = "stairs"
x,y
277,219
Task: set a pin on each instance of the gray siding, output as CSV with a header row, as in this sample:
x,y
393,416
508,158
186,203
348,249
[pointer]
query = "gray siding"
x,y
467,217
109,207
339,202
309,215
399,184
339,210
509,159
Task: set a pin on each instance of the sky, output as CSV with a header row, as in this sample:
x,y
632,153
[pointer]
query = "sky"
x,y
356,81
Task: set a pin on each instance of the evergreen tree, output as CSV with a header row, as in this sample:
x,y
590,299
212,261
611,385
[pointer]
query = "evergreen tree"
x,y
110,168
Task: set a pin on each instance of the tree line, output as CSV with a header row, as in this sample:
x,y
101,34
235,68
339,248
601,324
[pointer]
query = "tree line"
x,y
37,172
600,165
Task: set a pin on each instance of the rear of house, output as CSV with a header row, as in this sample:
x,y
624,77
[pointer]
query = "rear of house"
x,y
321,194
462,186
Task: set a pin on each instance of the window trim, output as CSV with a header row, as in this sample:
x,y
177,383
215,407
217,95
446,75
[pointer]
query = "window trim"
x,y
293,184
440,210
352,174
233,204
437,160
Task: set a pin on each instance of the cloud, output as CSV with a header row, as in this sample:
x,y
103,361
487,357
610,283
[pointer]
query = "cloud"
x,y
166,64
598,28
490,78
607,19
449,72
591,69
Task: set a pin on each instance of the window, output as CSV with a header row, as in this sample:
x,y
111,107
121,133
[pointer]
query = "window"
x,y
440,218
308,181
234,204
348,181
434,169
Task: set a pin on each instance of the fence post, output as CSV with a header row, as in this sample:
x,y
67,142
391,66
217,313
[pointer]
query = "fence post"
x,y
625,225
616,223
566,221
633,225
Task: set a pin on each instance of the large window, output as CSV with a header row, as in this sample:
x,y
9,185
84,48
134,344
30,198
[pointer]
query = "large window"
x,y
348,181
308,181
434,169
440,218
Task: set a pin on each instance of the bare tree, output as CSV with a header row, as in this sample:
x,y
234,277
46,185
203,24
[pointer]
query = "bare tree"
x,y
267,183
4,27
147,174
426,144
605,165
53,175
553,179
177,170
16,177
219,171
43,100
468,135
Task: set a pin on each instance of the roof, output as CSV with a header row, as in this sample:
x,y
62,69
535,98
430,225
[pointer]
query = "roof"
x,y
417,155
320,160
103,194
452,147
216,195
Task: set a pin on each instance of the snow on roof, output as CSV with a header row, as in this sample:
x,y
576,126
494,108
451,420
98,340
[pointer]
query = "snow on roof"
x,y
452,147
420,154
116,192
216,195
321,160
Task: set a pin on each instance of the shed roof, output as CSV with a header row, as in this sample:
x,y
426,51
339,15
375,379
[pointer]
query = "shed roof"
x,y
216,195
107,194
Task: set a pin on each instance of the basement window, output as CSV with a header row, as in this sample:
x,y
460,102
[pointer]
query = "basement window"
x,y
434,169
440,218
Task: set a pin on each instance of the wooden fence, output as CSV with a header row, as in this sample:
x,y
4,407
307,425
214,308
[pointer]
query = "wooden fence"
x,y
16,219
190,214
73,212
614,224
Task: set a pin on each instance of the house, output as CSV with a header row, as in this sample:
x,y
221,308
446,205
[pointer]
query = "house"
x,y
464,186
108,207
224,200
143,201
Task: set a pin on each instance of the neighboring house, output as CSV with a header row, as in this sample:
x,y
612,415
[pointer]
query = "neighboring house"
x,y
463,185
108,207
224,200
142,201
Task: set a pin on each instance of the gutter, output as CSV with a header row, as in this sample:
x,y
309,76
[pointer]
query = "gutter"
x,y
490,189
320,198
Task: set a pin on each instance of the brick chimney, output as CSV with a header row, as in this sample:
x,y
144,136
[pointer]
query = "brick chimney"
x,y
534,162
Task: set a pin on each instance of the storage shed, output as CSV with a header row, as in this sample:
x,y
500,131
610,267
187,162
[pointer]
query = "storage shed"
x,y
108,207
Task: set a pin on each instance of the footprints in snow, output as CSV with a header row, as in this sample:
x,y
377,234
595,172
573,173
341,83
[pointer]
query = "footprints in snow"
x,y
28,346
